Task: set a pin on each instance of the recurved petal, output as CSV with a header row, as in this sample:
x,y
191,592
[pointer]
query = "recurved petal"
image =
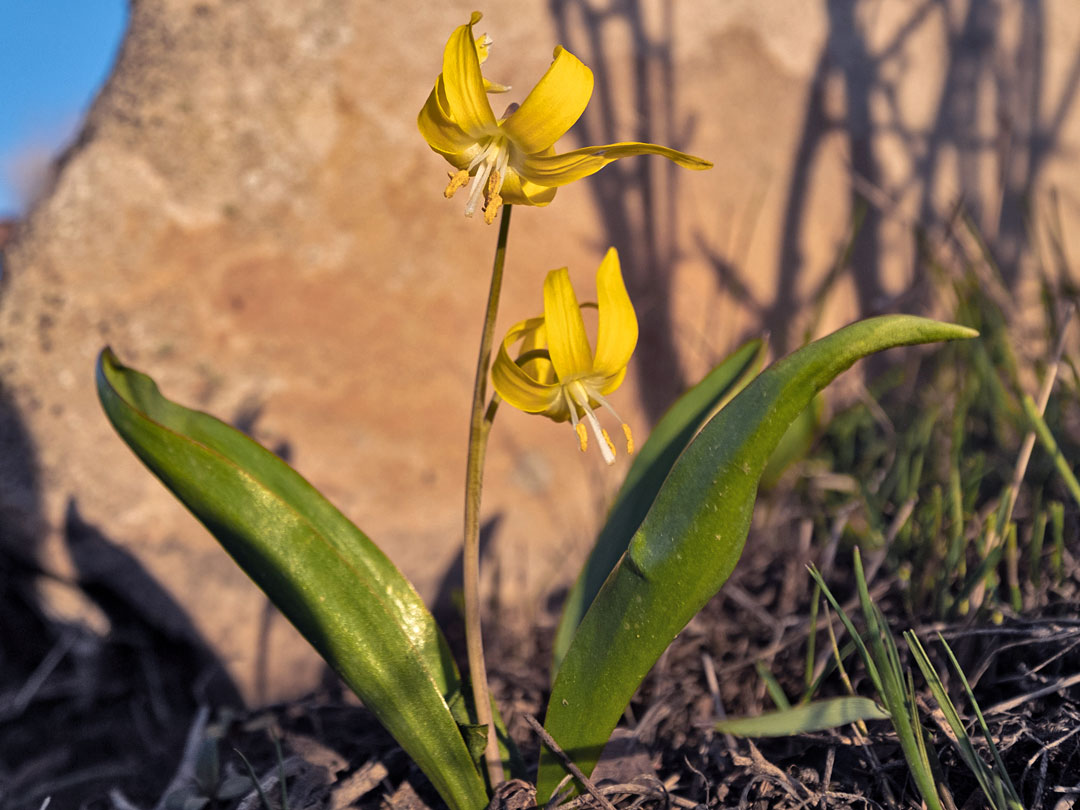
x,y
441,132
483,44
464,83
615,151
568,344
558,170
609,384
516,191
483,50
557,101
532,356
617,333
516,386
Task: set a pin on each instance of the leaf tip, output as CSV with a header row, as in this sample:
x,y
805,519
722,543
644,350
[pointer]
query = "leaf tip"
x,y
107,359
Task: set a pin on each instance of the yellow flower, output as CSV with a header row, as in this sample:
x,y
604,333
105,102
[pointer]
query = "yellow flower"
x,y
557,374
512,160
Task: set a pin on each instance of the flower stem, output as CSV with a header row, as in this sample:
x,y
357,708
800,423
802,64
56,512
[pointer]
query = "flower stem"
x,y
479,428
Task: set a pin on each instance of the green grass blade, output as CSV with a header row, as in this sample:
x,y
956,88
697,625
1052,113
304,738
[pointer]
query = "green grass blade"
x,y
952,716
652,463
1057,556
772,686
1002,773
897,697
835,661
1035,548
811,637
339,590
1046,439
816,716
856,637
692,537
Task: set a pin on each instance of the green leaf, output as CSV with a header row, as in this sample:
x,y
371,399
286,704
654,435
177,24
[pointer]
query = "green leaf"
x,y
816,716
794,444
692,537
339,590
651,465
475,740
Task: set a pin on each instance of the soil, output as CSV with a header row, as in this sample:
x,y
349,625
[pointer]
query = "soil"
x,y
118,722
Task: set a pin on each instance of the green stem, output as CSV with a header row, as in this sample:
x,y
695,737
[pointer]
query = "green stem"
x,y
479,428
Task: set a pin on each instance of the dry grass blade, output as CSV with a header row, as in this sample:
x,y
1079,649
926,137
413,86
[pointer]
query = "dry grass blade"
x,y
1024,456
553,746
646,792
1056,686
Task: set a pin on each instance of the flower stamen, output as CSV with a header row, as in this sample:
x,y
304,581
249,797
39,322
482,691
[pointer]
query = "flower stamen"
x,y
583,436
579,396
490,167
458,180
492,200
629,439
479,185
610,444
491,209
607,449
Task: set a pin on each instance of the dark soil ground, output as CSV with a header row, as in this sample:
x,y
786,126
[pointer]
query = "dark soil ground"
x,y
90,724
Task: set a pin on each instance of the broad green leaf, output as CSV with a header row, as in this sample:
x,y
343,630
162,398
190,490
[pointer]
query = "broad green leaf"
x,y
816,716
693,535
339,590
794,444
651,465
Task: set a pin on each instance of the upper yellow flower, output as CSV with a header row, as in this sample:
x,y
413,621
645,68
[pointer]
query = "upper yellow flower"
x,y
557,374
512,160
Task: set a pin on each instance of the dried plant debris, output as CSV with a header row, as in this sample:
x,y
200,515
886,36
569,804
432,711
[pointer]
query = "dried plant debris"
x,y
332,755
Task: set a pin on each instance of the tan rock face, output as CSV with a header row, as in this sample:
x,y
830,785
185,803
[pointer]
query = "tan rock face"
x,y
251,217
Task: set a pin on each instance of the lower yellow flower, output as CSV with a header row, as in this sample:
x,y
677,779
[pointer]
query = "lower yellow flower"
x,y
557,374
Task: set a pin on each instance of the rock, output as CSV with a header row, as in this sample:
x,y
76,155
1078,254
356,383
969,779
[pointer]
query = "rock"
x,y
250,216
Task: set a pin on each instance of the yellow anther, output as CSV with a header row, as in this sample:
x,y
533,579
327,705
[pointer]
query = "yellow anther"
x,y
610,443
491,208
583,437
459,180
492,199
629,439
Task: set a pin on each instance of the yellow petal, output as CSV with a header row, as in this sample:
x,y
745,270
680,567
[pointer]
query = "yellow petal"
x,y
611,383
557,101
494,87
558,170
441,132
464,84
617,333
568,344
516,191
482,42
483,50
514,384
534,344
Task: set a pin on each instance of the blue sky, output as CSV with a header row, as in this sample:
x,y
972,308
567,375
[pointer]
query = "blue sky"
x,y
54,57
